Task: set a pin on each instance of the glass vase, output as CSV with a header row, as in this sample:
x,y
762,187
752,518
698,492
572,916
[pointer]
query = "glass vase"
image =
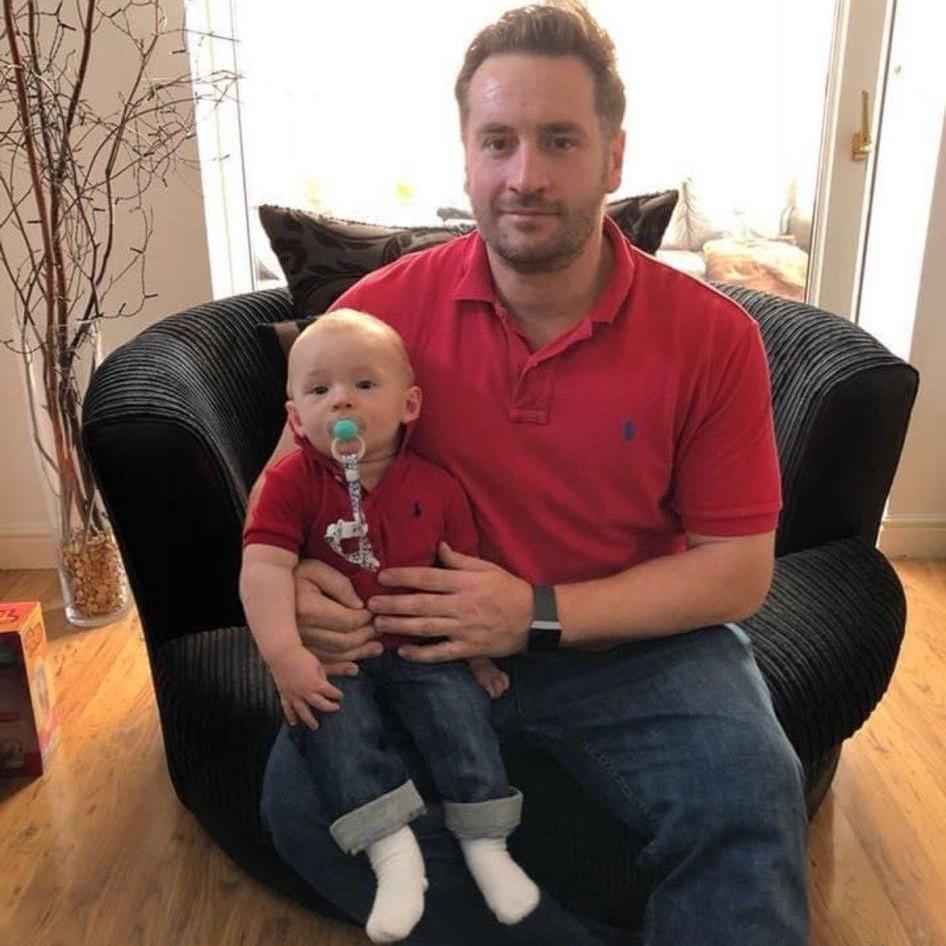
x,y
94,585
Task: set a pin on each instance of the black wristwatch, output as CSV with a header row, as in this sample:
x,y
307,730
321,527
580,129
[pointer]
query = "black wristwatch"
x,y
545,631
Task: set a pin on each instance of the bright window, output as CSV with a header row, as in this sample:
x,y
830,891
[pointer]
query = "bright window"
x,y
348,109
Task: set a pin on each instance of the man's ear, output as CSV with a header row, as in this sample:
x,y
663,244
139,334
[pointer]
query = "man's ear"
x,y
616,160
292,415
412,401
466,173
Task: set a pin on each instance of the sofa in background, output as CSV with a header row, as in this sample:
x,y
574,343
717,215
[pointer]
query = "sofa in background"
x,y
710,238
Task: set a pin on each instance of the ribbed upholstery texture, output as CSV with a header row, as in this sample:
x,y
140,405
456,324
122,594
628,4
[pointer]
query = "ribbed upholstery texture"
x,y
179,422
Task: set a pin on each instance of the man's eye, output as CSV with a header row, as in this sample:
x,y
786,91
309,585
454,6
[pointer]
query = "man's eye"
x,y
563,144
496,144
364,384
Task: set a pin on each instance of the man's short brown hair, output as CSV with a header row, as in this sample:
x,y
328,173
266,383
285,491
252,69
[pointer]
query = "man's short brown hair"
x,y
554,28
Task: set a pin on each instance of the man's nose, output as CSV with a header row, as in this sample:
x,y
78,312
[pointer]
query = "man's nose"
x,y
529,171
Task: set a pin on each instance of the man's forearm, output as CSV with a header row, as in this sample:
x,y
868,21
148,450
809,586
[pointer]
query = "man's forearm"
x,y
708,584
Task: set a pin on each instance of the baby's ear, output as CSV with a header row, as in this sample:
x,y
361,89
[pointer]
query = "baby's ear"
x,y
292,415
412,401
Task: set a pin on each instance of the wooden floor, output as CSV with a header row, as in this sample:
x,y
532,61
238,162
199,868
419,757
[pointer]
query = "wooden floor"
x,y
98,852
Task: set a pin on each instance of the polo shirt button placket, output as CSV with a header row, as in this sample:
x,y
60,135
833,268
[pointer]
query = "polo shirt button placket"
x,y
532,397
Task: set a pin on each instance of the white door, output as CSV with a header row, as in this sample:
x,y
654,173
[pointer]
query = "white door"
x,y
853,107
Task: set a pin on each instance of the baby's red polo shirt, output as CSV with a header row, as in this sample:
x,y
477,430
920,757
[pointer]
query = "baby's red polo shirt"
x,y
650,418
410,510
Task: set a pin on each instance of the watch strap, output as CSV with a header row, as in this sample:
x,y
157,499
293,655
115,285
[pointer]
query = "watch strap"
x,y
545,630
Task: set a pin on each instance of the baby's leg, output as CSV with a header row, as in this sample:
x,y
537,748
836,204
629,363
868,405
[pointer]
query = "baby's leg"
x,y
371,798
489,676
447,713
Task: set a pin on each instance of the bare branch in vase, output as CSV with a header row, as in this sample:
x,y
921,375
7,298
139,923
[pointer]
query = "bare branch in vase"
x,y
75,173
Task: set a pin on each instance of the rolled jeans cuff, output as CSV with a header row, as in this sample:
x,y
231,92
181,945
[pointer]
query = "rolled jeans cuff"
x,y
356,829
496,818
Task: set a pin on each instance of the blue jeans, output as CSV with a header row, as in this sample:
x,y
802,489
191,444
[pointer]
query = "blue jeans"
x,y
364,785
676,737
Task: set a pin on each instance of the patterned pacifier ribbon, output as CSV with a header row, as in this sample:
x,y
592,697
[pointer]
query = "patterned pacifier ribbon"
x,y
344,432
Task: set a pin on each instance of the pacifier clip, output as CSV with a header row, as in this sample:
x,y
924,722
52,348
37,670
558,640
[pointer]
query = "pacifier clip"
x,y
345,431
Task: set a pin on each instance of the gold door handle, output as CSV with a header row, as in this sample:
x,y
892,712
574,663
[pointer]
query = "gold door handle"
x,y
861,143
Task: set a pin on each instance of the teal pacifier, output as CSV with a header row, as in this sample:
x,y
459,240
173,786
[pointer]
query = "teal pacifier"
x,y
344,432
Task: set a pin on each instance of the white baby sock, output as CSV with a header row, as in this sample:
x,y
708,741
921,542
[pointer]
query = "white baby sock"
x,y
506,887
399,901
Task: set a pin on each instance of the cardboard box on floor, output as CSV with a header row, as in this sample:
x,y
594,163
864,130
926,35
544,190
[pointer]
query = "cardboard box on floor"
x,y
29,723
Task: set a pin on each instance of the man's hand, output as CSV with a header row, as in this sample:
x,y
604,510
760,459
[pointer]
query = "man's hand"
x,y
302,684
483,609
332,620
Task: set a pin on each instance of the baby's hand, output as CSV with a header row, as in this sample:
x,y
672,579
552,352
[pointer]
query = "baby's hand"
x,y
489,676
302,684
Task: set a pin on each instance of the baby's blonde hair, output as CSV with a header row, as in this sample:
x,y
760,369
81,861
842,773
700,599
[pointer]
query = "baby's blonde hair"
x,y
353,320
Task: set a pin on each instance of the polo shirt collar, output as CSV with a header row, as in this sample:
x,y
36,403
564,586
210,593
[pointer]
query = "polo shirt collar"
x,y
476,283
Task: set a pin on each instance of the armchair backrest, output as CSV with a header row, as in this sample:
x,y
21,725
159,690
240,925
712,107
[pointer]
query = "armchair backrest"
x,y
179,422
841,403
177,425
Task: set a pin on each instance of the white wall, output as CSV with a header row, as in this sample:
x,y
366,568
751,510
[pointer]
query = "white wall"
x,y
904,280
916,514
178,271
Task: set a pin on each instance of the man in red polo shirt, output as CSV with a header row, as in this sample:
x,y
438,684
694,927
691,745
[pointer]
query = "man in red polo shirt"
x,y
610,420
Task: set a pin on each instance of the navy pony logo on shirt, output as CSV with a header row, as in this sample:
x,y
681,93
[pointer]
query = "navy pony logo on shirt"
x,y
630,431
417,512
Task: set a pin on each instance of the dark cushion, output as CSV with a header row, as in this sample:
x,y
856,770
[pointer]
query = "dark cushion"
x,y
321,257
644,218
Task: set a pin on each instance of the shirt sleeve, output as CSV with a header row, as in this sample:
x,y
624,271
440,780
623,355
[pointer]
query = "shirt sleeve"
x,y
280,513
378,293
726,479
366,295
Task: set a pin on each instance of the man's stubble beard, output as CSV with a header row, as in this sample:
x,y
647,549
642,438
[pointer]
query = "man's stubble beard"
x,y
556,253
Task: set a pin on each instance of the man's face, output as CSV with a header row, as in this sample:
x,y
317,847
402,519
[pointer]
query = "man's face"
x,y
538,162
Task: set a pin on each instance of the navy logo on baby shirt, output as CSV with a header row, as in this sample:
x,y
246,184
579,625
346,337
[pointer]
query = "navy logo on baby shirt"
x,y
418,512
630,431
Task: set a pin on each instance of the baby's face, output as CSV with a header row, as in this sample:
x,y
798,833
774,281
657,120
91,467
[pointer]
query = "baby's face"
x,y
350,373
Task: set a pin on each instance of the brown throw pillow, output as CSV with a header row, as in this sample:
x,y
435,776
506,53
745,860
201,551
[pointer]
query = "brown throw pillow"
x,y
321,257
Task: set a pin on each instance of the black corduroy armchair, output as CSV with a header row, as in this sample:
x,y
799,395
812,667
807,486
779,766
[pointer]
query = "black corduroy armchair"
x,y
179,422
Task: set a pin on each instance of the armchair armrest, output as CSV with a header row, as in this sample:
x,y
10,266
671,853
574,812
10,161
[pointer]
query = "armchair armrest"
x,y
177,424
827,639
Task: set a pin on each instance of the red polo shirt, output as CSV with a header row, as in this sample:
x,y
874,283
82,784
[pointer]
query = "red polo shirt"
x,y
649,418
414,505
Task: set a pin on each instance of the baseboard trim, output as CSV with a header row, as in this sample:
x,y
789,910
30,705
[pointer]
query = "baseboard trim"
x,y
913,537
26,548
900,537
